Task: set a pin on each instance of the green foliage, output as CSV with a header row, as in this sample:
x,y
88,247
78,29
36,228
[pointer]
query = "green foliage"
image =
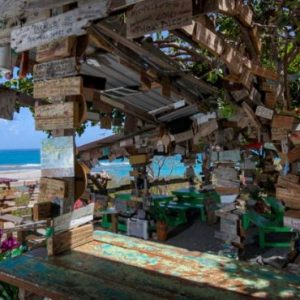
x,y
23,85
225,109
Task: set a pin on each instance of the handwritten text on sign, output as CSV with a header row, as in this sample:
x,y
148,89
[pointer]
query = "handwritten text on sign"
x,y
71,86
55,69
64,25
56,116
150,16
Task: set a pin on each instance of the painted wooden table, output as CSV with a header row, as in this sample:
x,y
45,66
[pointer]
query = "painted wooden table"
x,y
118,267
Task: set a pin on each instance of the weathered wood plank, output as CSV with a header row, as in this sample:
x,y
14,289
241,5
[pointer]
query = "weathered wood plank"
x,y
150,16
56,49
61,26
57,116
248,110
7,104
264,112
58,157
37,5
73,219
56,69
56,282
70,86
11,8
51,188
208,39
45,210
70,239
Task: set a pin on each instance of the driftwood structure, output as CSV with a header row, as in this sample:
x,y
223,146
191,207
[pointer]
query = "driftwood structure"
x,y
90,59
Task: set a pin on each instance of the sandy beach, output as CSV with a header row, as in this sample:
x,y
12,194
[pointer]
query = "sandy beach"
x,y
21,174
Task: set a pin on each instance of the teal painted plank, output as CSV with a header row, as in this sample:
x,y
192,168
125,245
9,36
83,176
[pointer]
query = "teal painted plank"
x,y
130,276
59,283
200,268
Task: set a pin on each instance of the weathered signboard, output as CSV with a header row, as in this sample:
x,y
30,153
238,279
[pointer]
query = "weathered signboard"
x,y
208,39
68,24
294,154
73,219
70,86
57,116
57,157
233,60
151,16
248,110
51,189
67,240
11,8
7,104
229,155
264,112
56,69
55,49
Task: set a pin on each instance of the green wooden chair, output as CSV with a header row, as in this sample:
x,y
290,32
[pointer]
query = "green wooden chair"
x,y
268,223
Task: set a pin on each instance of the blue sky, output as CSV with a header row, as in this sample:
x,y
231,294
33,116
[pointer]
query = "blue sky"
x,y
20,133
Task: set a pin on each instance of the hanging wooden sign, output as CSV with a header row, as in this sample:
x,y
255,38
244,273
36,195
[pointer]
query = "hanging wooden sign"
x,y
248,110
226,7
55,88
208,39
228,155
280,121
264,112
156,15
239,94
56,49
289,196
71,23
279,133
58,157
57,116
74,219
233,60
244,14
206,129
255,96
265,73
294,154
51,189
7,104
11,8
56,69
270,100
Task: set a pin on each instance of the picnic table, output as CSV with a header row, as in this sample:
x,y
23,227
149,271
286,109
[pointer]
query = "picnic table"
x,y
7,181
120,267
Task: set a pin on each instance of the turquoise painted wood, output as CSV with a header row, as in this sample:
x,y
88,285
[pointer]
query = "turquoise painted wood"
x,y
120,267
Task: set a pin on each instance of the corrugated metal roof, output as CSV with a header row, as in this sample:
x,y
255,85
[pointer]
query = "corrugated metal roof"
x,y
121,82
179,113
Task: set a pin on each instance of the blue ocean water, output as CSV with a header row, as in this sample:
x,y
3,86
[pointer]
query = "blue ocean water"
x,y
162,167
19,158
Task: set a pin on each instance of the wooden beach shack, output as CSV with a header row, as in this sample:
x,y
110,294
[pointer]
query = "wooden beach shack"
x,y
101,60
